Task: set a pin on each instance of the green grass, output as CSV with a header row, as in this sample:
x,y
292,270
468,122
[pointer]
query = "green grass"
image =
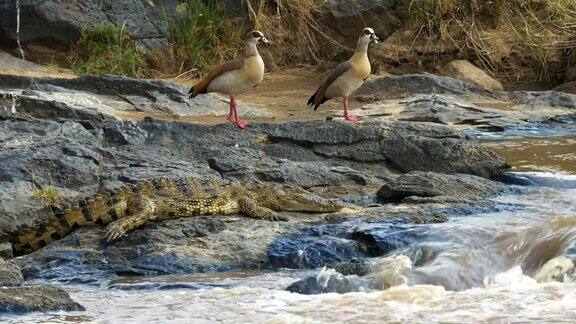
x,y
202,35
49,196
107,49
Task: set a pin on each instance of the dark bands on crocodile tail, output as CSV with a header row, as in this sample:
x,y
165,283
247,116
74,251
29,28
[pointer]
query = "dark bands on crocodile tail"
x,y
88,219
60,215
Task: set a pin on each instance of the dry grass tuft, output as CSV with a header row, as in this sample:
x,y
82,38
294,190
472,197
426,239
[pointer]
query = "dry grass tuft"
x,y
293,27
518,39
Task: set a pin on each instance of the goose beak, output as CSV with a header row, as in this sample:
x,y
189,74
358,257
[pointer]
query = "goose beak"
x,y
374,38
264,40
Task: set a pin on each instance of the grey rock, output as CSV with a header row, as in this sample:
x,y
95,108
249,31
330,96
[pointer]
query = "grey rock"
x,y
37,298
329,282
535,99
189,245
424,147
511,114
78,159
386,87
429,184
96,98
6,251
8,61
466,71
60,22
347,18
10,274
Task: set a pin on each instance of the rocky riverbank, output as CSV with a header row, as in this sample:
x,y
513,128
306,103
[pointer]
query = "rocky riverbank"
x,y
397,168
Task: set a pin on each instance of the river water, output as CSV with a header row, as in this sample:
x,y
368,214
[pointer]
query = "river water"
x,y
483,268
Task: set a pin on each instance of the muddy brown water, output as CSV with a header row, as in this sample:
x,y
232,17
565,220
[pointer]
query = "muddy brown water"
x,y
538,154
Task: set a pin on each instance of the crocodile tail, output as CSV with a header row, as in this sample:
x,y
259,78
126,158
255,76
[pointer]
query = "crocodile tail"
x,y
91,211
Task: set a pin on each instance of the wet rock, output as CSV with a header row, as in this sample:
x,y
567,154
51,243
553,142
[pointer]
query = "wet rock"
x,y
405,146
79,159
340,244
358,267
347,18
384,237
386,87
429,184
466,71
38,298
542,112
328,281
309,252
312,174
538,179
188,245
10,274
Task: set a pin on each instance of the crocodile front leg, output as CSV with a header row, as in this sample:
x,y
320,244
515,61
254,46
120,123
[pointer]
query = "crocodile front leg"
x,y
249,208
120,227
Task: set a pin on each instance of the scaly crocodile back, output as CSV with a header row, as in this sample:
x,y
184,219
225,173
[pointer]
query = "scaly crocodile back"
x,y
99,209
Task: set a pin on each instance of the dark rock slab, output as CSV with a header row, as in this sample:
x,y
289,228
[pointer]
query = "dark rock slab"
x,y
329,282
429,184
305,252
538,179
188,245
346,18
384,237
342,244
58,23
425,147
37,298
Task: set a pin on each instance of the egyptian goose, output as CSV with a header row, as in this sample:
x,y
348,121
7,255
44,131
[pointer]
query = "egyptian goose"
x,y
235,77
347,76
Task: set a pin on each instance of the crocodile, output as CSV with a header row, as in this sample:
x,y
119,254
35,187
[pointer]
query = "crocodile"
x,y
129,207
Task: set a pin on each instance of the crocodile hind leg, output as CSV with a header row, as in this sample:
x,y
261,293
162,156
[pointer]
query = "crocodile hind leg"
x,y
120,227
249,208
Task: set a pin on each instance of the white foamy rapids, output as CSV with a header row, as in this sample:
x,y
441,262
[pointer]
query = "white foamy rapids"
x,y
561,269
505,299
388,271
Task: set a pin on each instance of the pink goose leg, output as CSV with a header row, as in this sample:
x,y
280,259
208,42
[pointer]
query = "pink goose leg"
x,y
234,114
347,116
231,112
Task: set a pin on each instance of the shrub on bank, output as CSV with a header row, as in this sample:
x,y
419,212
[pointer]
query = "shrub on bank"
x,y
107,49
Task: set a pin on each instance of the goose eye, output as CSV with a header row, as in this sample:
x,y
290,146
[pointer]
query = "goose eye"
x,y
256,34
367,32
